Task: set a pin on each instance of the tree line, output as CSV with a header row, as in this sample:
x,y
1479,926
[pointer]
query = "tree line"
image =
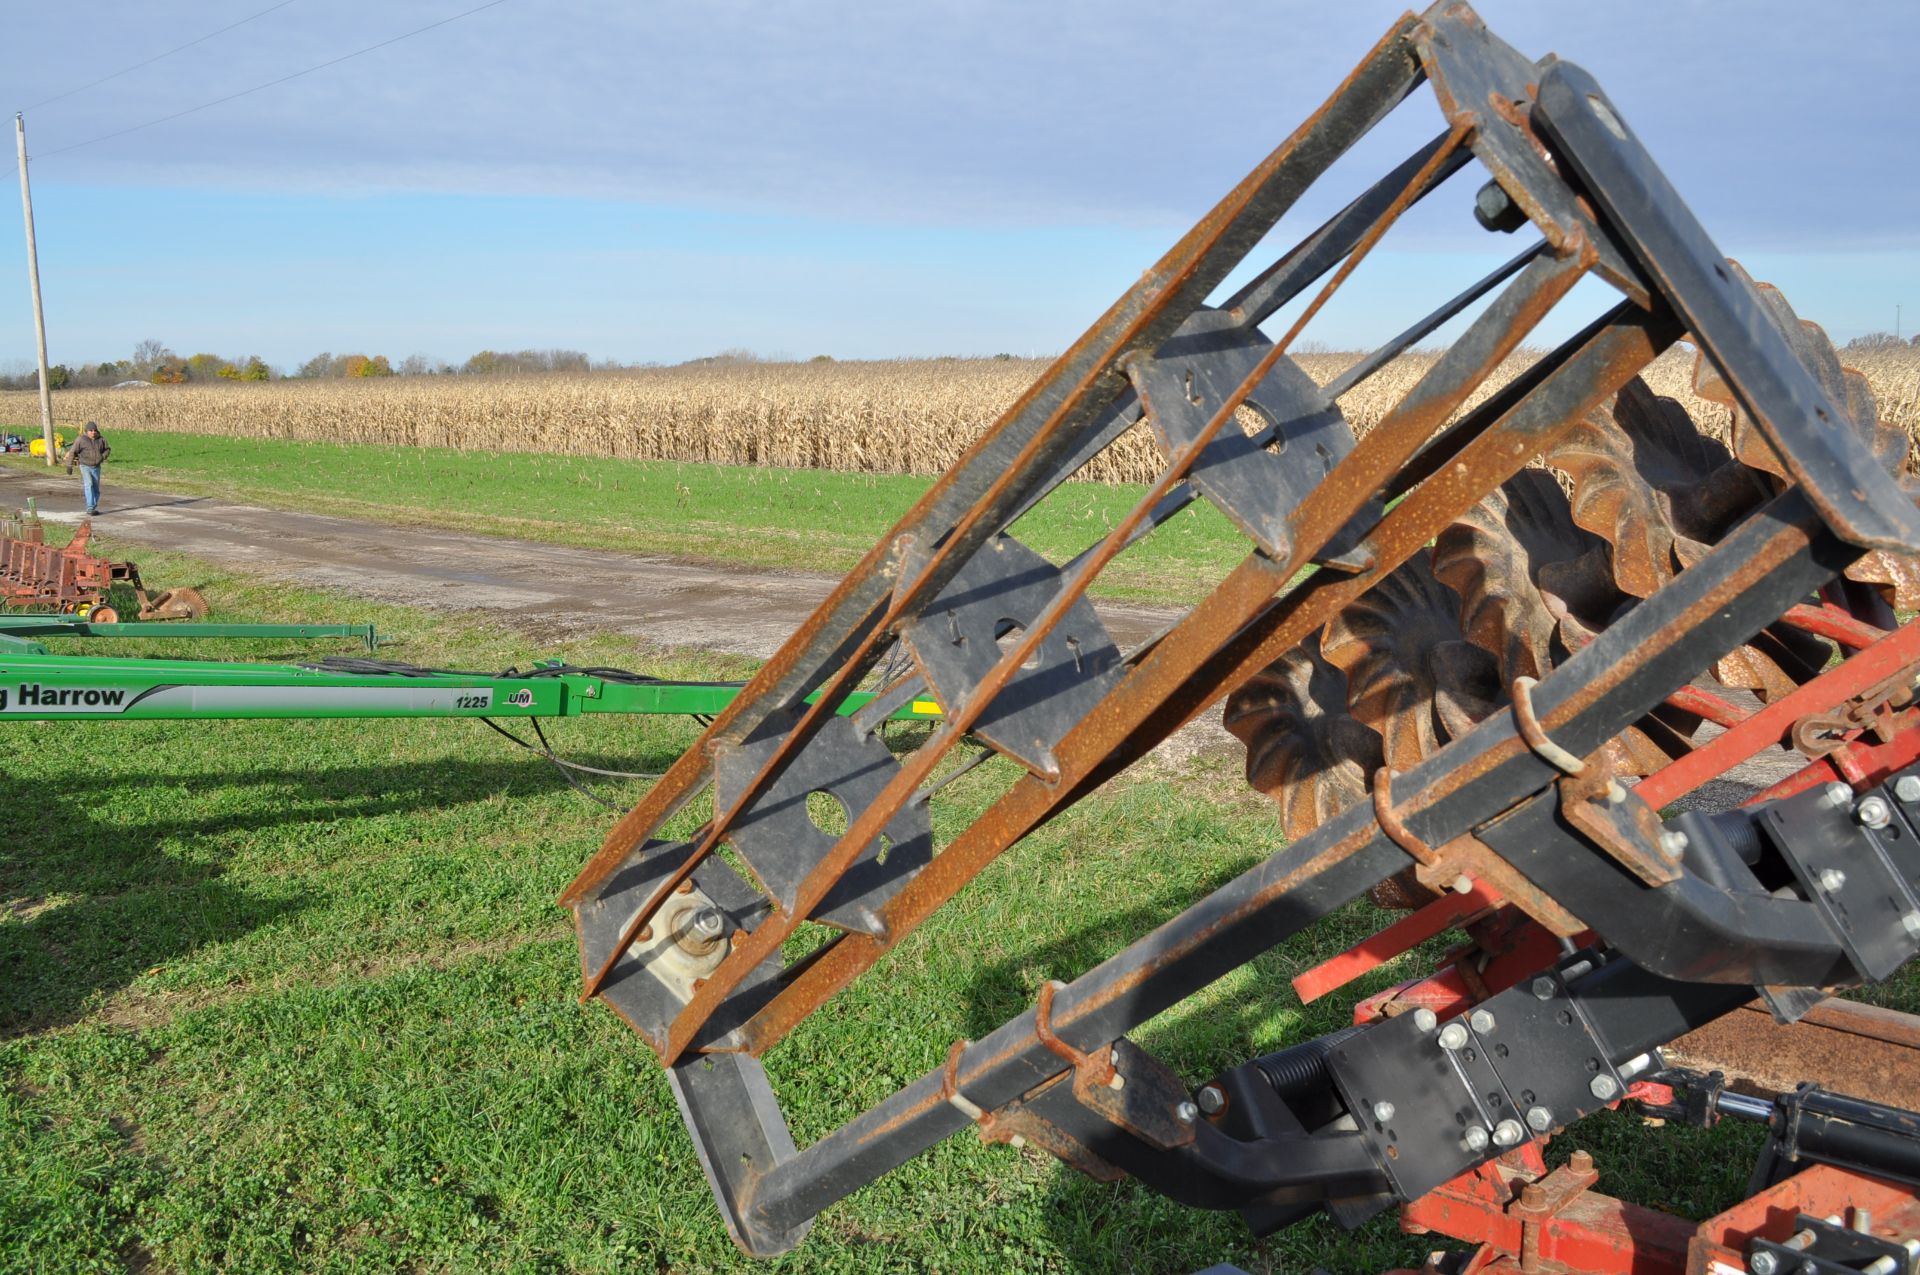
x,y
154,363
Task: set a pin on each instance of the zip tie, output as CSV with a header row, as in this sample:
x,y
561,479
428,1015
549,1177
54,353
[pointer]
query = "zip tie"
x,y
1535,735
950,1088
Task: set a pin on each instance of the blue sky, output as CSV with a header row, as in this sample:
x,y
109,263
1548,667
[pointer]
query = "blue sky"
x,y
653,182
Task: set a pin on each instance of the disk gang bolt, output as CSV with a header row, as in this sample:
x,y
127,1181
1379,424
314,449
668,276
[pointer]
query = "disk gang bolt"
x,y
1873,811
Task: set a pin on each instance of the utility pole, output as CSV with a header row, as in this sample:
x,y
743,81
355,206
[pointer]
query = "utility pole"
x,y
33,275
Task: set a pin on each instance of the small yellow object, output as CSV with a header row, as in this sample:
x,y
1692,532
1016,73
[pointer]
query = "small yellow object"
x,y
926,706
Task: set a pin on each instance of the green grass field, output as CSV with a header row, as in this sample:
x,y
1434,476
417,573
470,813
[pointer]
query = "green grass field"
x,y
802,519
295,997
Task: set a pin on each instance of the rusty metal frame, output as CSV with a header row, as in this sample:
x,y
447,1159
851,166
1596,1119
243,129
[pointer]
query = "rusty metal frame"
x,y
1381,498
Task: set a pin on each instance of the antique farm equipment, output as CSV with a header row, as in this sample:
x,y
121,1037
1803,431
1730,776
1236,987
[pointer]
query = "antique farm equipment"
x,y
35,576
1475,654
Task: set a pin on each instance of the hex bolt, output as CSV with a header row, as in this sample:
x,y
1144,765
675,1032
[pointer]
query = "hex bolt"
x,y
1604,1087
1539,1119
1475,1138
1453,1035
1873,811
1907,788
1673,843
1839,795
1533,1196
705,928
1763,1264
1831,879
1508,1133
1482,1020
1383,1111
1543,988
1212,1099
1581,1162
1494,209
1187,1113
1424,1018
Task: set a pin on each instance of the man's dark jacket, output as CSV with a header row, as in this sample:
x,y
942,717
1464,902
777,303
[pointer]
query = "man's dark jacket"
x,y
88,449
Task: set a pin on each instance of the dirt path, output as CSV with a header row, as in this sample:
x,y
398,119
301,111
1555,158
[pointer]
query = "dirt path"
x,y
548,591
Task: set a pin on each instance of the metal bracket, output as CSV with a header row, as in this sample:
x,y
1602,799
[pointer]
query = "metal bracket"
x,y
1138,1094
956,641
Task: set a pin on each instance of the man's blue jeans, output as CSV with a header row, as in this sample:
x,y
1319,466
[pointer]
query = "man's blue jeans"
x,y
90,485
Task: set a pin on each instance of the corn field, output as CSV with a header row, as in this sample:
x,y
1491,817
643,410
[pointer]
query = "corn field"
x,y
903,416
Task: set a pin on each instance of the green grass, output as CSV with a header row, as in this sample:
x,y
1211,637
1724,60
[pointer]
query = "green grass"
x,y
782,518
295,997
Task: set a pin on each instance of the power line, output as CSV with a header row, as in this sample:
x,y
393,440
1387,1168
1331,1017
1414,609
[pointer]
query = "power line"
x,y
156,57
165,119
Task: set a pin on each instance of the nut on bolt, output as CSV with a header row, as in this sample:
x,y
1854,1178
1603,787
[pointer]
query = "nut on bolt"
x,y
1832,879
1604,1087
1187,1112
1839,795
1424,1019
704,929
1763,1264
1494,209
1873,811
1508,1133
1383,1111
1453,1035
1475,1138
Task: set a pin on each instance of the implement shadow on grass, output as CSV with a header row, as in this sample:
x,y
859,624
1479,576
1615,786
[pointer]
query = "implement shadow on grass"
x,y
87,904
1098,1227
90,901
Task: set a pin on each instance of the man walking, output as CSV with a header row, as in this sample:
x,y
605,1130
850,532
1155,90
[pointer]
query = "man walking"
x,y
89,452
